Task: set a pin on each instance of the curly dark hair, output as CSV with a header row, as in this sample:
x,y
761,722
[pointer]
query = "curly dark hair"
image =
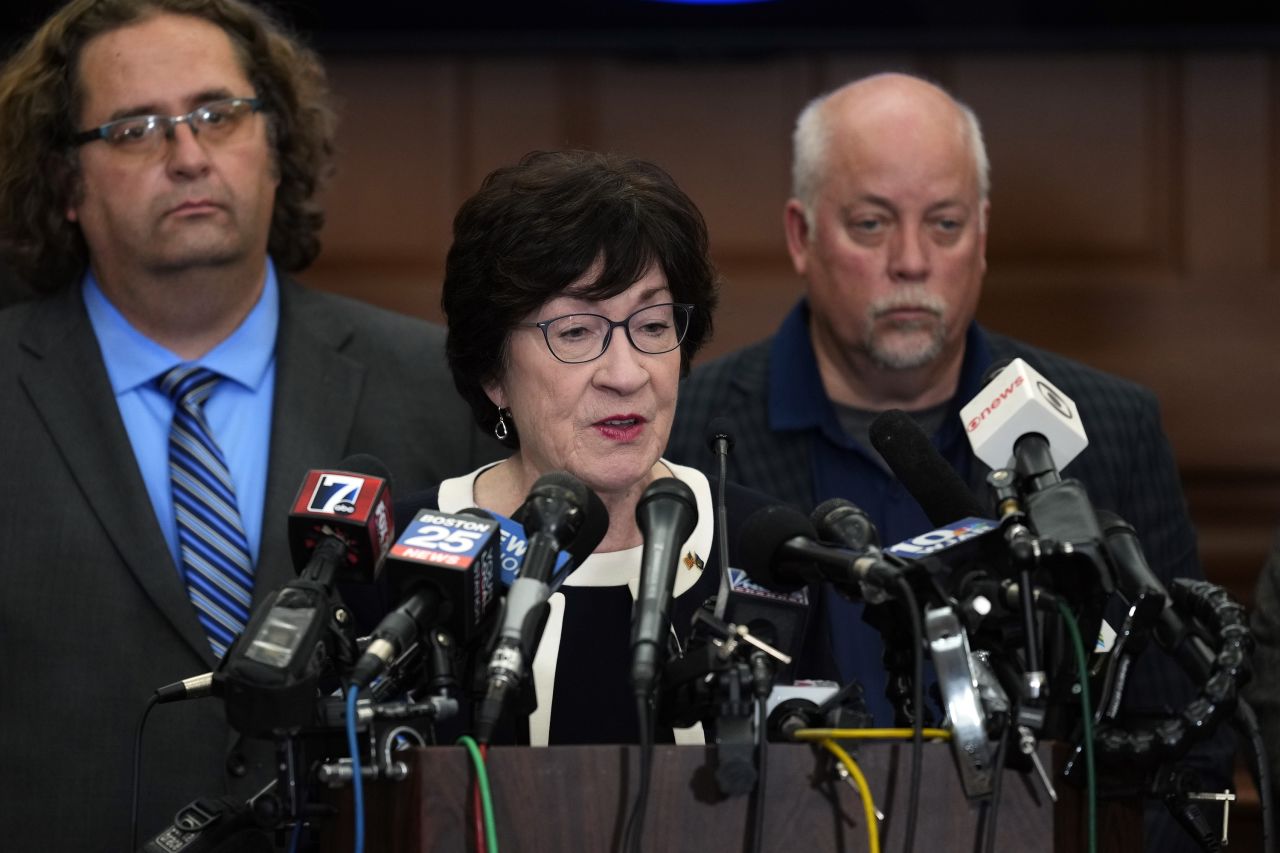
x,y
40,101
535,228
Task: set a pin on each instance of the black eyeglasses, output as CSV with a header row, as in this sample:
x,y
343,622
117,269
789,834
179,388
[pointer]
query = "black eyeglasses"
x,y
577,338
216,122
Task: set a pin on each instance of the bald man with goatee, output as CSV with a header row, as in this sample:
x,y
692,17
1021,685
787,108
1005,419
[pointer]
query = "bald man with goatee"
x,y
887,229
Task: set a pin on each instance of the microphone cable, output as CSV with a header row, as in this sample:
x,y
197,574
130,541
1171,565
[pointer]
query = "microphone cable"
x,y
135,794
827,739
1246,722
987,828
917,722
486,829
860,782
357,783
758,796
634,831
1086,725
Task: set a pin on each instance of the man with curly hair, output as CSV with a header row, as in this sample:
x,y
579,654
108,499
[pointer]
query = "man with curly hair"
x,y
159,161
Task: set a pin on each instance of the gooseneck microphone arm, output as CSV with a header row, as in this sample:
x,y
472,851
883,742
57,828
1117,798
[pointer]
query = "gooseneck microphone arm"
x,y
720,440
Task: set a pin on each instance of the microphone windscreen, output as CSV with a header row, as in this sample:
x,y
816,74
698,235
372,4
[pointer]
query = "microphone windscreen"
x,y
720,428
595,524
928,477
574,490
840,520
760,545
668,488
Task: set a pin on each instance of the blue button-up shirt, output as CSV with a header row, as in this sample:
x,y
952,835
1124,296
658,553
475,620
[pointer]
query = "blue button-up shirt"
x,y
238,411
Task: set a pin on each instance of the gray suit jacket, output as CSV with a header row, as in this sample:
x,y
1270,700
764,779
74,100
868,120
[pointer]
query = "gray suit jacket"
x,y
94,615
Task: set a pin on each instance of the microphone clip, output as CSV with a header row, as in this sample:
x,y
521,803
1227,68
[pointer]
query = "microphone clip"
x,y
729,638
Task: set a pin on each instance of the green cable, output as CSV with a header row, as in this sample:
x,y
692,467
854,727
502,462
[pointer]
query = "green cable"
x,y
482,777
1086,719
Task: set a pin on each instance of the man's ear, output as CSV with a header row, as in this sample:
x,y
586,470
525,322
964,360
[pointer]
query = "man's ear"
x,y
796,227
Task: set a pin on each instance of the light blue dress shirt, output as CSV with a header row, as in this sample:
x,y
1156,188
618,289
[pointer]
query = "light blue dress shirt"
x,y
238,412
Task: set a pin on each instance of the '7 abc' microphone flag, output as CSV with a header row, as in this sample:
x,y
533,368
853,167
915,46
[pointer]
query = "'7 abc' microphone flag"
x,y
1017,402
348,504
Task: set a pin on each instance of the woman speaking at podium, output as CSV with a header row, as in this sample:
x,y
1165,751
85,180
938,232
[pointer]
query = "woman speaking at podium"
x,y
577,290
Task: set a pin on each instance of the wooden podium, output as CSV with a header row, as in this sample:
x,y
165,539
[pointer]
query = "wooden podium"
x,y
576,798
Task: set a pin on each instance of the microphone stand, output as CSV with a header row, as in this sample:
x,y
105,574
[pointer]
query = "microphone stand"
x,y
303,754
717,683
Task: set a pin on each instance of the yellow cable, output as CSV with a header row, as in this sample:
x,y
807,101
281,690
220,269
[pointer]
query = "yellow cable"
x,y
867,734
868,806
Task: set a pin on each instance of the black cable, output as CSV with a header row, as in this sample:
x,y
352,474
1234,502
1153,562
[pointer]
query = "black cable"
x,y
757,831
917,722
635,823
1226,623
993,805
1246,721
137,771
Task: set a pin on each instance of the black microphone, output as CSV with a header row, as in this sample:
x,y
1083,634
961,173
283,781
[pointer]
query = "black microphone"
x,y
340,528
595,524
842,521
554,515
443,571
1135,579
720,436
351,504
666,513
780,550
720,441
928,477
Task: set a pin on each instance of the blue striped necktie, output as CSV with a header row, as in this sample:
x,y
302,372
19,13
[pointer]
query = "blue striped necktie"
x,y
211,540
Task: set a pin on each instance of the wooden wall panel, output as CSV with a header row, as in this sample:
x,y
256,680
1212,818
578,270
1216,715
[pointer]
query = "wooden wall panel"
x,y
722,130
400,153
1227,167
1052,120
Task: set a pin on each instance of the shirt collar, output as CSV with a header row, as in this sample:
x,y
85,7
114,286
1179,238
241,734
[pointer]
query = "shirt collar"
x,y
797,399
132,359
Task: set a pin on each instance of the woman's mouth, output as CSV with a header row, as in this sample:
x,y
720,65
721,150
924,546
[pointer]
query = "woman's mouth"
x,y
620,427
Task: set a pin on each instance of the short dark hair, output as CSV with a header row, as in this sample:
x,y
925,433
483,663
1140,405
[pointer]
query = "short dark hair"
x,y
537,227
40,103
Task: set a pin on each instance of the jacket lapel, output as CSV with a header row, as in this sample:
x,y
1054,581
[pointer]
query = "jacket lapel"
x,y
317,394
67,382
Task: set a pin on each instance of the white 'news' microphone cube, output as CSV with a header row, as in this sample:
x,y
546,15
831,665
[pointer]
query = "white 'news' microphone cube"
x,y
1017,402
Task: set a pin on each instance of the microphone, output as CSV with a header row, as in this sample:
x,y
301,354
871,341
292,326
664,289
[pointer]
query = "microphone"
x,y
351,504
554,514
442,569
928,477
843,521
595,524
1136,580
339,529
780,550
196,687
1016,404
720,441
666,513
720,436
